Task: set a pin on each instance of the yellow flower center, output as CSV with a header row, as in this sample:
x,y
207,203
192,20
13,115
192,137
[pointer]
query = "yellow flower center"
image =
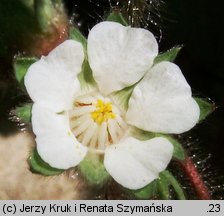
x,y
103,112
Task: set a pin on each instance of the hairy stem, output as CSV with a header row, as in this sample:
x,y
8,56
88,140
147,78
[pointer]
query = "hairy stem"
x,y
195,179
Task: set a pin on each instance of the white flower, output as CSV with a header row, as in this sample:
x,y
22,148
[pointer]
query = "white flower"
x,y
68,123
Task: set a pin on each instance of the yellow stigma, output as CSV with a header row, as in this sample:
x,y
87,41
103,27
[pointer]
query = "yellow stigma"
x,y
103,112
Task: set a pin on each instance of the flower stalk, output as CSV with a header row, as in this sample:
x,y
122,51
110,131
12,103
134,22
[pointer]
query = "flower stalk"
x,y
195,178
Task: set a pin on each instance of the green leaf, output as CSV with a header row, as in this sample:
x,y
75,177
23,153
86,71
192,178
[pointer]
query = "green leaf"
x,y
179,152
149,191
206,108
37,165
93,170
116,16
122,96
169,55
76,35
21,66
24,112
167,179
86,77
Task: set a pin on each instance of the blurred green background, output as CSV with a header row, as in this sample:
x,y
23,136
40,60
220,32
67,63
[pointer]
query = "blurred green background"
x,y
197,24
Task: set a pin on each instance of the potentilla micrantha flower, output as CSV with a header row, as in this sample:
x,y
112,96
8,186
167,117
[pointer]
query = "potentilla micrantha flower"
x,y
69,122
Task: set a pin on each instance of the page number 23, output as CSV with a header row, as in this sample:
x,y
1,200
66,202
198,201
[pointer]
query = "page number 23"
x,y
214,208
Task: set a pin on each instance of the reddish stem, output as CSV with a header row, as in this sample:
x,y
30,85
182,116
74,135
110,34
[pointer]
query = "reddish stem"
x,y
195,179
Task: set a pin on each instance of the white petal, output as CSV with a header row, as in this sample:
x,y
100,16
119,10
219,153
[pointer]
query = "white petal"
x,y
162,101
134,163
119,56
55,142
52,81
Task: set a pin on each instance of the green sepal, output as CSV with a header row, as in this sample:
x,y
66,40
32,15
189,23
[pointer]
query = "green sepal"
x,y
76,35
122,96
141,134
148,192
21,65
167,180
178,153
206,108
28,4
85,77
24,112
169,55
37,165
116,16
93,170
45,12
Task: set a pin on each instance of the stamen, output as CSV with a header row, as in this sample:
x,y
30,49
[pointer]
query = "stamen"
x,y
77,111
102,138
91,130
82,127
93,142
96,122
85,100
79,120
112,130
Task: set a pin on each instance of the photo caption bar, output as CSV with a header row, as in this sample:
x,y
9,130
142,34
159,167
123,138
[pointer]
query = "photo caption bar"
x,y
109,207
